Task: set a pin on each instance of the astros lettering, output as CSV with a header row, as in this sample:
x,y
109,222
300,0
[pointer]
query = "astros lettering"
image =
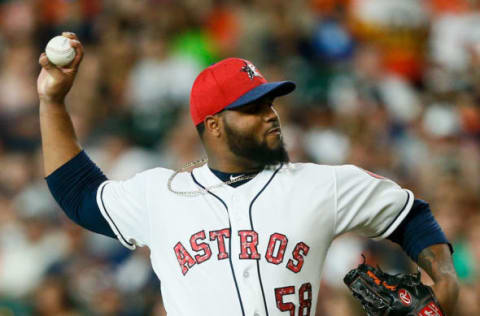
x,y
274,254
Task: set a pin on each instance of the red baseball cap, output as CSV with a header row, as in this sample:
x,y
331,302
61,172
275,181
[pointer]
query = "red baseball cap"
x,y
231,83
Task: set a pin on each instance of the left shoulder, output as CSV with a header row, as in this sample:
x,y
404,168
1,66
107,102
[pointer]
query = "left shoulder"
x,y
307,170
349,173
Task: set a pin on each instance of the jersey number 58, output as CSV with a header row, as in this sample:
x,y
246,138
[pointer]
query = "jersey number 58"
x,y
305,299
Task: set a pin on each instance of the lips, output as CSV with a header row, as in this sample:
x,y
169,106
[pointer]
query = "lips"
x,y
274,130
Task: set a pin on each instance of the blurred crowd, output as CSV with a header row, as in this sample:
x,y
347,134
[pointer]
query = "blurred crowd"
x,y
391,86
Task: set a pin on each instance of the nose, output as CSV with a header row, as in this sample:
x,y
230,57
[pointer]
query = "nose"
x,y
270,114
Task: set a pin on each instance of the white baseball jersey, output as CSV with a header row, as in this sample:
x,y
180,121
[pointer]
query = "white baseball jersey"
x,y
257,249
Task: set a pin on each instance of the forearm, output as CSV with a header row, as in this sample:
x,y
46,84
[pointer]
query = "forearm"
x,y
436,260
59,142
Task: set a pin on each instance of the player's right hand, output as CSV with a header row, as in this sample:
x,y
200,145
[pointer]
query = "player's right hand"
x,y
54,82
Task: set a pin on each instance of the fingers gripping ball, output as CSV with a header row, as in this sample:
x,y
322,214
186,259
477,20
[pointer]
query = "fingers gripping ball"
x,y
382,294
59,51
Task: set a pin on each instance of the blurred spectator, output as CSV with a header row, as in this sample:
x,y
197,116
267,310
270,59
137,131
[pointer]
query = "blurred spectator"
x,y
52,299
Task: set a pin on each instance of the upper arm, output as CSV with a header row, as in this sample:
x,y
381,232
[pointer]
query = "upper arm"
x,y
74,186
123,204
418,231
368,204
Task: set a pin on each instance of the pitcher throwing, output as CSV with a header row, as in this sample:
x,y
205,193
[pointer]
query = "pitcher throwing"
x,y
245,232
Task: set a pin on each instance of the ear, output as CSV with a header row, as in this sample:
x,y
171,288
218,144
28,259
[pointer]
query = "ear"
x,y
212,125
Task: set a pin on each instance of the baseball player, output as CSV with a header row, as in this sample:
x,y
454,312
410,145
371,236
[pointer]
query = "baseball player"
x,y
247,232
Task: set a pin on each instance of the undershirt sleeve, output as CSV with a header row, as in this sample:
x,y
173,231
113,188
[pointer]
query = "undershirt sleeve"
x,y
74,186
418,231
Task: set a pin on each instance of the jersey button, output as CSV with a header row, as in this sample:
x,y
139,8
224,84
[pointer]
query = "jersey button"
x,y
246,275
256,314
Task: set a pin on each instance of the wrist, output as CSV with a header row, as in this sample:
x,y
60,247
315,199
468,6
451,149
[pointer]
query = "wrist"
x,y
51,102
446,292
54,98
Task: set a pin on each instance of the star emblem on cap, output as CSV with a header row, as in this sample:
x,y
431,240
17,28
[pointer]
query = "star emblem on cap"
x,y
251,71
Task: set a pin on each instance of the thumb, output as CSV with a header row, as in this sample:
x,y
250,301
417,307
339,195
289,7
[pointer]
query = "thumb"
x,y
52,70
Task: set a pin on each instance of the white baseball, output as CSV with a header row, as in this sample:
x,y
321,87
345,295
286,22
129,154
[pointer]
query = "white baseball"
x,y
59,51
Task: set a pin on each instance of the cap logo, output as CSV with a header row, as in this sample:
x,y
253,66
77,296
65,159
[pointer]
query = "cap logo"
x,y
251,71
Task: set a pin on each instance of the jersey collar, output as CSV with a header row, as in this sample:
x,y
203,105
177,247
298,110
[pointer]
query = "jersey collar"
x,y
207,178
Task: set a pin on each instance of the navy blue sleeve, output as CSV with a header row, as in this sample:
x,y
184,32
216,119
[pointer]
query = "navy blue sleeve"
x,y
418,231
74,186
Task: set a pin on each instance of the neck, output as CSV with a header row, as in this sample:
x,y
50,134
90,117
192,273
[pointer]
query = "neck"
x,y
233,164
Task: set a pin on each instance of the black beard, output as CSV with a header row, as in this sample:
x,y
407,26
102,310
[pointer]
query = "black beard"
x,y
248,147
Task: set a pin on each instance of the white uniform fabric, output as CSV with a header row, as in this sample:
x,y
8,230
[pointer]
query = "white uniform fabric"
x,y
257,249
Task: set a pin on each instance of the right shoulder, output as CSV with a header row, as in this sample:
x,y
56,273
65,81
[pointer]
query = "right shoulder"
x,y
158,179
161,176
156,172
153,182
153,175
